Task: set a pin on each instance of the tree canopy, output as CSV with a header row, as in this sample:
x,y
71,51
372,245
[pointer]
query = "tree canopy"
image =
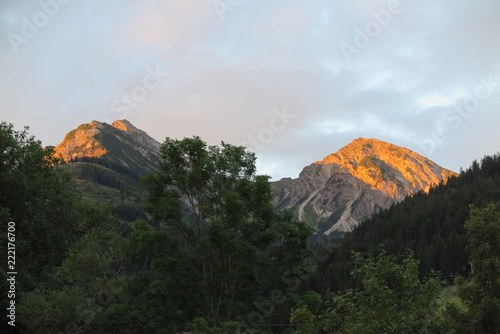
x,y
391,299
213,256
225,241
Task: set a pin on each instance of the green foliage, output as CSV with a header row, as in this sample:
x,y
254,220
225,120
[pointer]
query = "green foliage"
x,y
48,312
201,326
94,174
161,281
306,321
218,259
449,297
108,164
49,219
222,237
80,290
85,127
392,299
481,293
119,144
36,196
432,225
103,181
280,184
483,230
70,135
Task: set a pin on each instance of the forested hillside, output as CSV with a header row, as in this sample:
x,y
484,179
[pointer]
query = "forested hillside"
x,y
335,194
431,224
214,257
109,183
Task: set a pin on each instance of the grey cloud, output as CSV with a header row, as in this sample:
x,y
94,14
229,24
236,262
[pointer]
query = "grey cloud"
x,y
227,76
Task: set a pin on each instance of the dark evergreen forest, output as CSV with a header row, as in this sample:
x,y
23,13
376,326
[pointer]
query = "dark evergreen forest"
x,y
431,225
211,254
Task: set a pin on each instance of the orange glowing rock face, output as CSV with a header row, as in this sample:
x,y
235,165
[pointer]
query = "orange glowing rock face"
x,y
395,171
123,125
338,192
120,142
81,142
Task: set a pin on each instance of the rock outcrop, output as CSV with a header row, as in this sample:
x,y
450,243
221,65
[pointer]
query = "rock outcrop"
x,y
344,188
120,142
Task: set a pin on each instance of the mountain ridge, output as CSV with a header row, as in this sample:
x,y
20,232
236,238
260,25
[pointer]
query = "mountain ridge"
x,y
365,146
119,141
333,194
336,193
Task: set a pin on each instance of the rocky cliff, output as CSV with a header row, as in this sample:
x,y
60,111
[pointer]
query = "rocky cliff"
x,y
120,142
336,193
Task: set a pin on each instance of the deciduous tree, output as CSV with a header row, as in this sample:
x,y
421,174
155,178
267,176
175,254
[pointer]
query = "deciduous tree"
x,y
391,299
216,215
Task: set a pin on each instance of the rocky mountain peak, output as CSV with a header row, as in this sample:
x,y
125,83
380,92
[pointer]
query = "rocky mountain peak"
x,y
121,142
359,179
124,125
394,170
358,149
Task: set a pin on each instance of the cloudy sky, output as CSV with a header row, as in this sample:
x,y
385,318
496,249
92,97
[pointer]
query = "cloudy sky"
x,y
292,80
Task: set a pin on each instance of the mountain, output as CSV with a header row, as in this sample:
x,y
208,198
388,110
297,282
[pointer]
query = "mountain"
x,y
363,177
107,161
334,195
120,142
430,224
